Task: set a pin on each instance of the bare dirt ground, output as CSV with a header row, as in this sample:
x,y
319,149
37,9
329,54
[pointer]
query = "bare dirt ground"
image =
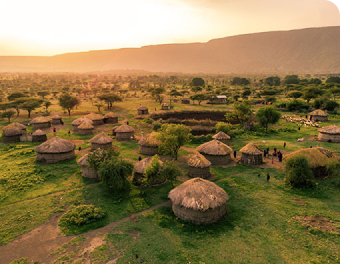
x,y
318,222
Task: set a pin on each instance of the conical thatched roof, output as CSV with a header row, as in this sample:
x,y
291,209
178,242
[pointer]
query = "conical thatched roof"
x,y
124,129
40,119
215,148
55,145
83,160
142,107
110,114
318,112
78,121
221,136
9,131
101,138
198,161
39,132
93,116
334,130
252,149
141,165
149,140
56,117
316,157
17,125
198,194
85,126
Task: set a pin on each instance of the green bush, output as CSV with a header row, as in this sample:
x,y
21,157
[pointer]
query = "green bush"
x,y
81,215
297,105
224,127
156,125
298,172
333,170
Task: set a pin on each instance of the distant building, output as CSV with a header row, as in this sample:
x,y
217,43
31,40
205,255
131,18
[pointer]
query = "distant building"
x,y
218,99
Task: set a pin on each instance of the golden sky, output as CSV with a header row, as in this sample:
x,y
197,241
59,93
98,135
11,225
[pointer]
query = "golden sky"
x,y
48,27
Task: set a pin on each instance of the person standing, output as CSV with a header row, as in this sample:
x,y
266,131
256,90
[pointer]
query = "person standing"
x,y
284,144
268,177
234,154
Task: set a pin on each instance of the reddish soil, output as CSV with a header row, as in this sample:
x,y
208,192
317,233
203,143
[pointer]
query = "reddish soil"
x,y
300,202
318,222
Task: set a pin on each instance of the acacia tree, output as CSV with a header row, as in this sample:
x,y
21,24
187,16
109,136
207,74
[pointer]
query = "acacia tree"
x,y
15,96
68,102
267,115
47,104
198,97
8,114
30,105
156,93
110,98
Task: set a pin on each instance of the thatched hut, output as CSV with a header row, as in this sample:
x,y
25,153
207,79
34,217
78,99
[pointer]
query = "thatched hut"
x,y
11,134
149,145
199,201
216,152
139,170
199,166
55,150
96,119
110,118
85,129
75,123
18,125
165,106
329,134
317,159
142,110
101,141
222,137
124,132
39,136
56,120
86,171
185,101
251,155
40,122
318,115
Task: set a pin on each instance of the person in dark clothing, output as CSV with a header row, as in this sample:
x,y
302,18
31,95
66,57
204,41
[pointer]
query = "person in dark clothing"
x,y
264,153
284,144
234,154
280,157
127,122
268,177
267,150
139,158
258,175
69,132
79,148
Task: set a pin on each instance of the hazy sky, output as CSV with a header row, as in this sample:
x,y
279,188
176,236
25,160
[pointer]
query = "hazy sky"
x,y
48,27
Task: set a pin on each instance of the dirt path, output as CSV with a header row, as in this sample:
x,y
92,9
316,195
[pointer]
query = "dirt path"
x,y
38,244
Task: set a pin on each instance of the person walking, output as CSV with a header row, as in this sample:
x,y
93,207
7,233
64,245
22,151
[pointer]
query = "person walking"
x,y
234,154
268,177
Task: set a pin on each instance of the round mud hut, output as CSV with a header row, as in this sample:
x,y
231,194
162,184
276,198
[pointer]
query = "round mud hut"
x,y
110,118
139,170
317,159
18,125
199,201
318,115
198,166
86,171
142,110
165,106
75,123
251,155
11,134
40,122
329,134
85,129
56,120
216,152
101,141
222,137
55,150
185,101
96,119
39,136
124,133
148,145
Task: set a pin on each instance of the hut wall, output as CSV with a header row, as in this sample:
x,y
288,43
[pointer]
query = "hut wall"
x,y
85,131
218,160
41,125
319,118
39,138
199,217
98,122
55,157
143,112
56,121
137,178
185,102
101,146
87,172
75,128
249,159
148,150
124,136
111,120
329,137
11,139
199,172
165,108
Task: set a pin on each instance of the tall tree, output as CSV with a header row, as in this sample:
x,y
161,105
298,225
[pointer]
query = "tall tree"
x,y
68,102
30,105
8,114
267,115
15,96
198,97
197,82
156,93
110,98
241,114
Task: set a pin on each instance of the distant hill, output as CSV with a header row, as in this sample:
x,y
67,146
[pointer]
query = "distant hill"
x,y
313,50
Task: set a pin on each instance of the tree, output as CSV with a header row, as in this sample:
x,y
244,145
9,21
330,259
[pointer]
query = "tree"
x,y
156,93
240,81
294,95
152,173
315,81
8,114
291,79
172,137
30,105
272,81
196,89
171,171
98,107
68,102
15,96
43,94
333,79
335,92
246,93
241,114
198,97
267,115
311,93
47,104
197,82
298,172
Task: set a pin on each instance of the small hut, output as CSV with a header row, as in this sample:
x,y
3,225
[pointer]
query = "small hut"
x,y
199,201
39,136
85,129
222,137
96,119
165,106
317,159
142,110
329,134
318,115
56,120
18,125
40,122
149,145
55,150
86,171
110,118
11,134
124,132
251,155
139,170
75,123
199,166
185,101
216,152
101,141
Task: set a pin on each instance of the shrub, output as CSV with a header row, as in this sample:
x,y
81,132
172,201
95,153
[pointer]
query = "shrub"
x,y
156,125
224,127
297,105
298,172
98,156
171,171
81,215
333,170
